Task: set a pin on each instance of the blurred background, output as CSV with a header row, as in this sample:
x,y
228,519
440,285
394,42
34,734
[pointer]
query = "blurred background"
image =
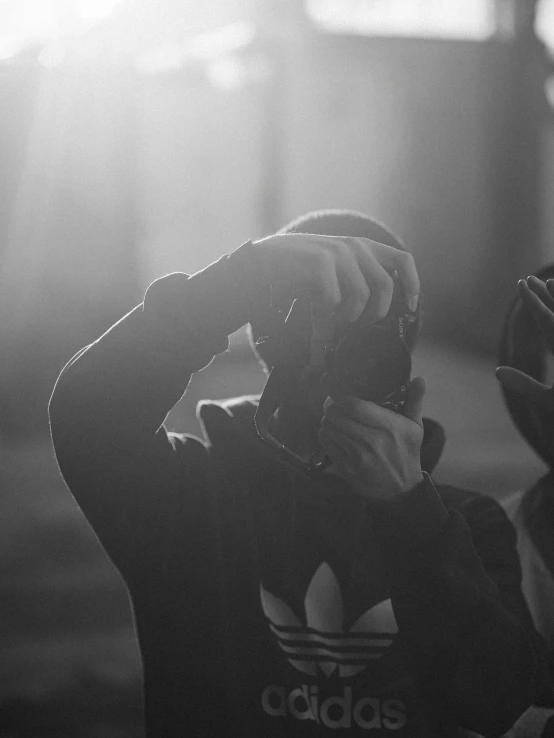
x,y
139,137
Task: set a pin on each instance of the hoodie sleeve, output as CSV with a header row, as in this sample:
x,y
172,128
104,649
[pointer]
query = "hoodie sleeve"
x,y
110,401
456,594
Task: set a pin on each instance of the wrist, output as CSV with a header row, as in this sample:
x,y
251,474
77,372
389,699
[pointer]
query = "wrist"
x,y
413,518
211,304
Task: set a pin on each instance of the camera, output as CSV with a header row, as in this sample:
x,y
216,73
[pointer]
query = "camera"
x,y
371,361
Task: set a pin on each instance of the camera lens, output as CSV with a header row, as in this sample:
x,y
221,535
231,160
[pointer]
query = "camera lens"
x,y
372,364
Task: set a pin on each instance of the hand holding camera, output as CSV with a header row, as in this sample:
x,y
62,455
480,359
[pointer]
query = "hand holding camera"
x,y
363,298
376,451
343,275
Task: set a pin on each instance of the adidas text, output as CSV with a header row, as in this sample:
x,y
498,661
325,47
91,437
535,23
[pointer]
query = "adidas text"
x,y
303,703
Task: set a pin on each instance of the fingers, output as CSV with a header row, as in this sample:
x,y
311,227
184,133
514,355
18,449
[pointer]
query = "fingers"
x,y
379,281
343,275
324,282
395,260
516,381
538,298
345,451
349,280
337,407
541,289
357,289
413,407
335,450
550,286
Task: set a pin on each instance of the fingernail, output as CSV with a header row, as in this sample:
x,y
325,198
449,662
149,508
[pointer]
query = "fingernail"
x,y
412,304
532,278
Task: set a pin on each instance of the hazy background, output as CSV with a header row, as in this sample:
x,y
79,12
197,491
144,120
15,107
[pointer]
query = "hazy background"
x,y
139,137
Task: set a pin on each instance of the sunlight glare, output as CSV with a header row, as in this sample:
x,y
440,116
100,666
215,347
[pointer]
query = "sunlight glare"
x,y
95,9
464,19
30,21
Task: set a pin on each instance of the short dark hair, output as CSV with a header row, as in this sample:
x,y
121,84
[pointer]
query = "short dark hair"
x,y
343,223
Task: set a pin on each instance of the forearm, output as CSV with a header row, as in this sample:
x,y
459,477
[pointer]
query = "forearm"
x,y
134,374
110,402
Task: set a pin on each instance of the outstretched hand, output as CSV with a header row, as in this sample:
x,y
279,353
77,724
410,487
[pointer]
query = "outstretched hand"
x,y
538,297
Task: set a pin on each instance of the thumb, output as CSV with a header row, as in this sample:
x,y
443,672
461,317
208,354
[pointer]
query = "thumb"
x,y
515,380
413,407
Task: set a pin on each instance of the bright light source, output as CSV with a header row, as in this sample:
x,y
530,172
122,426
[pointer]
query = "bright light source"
x,y
9,47
29,21
51,55
544,26
95,9
467,19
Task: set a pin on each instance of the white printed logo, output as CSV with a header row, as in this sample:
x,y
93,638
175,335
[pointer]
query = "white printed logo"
x,y
322,644
303,703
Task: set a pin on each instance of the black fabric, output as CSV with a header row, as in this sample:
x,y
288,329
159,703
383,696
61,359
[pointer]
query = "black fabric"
x,y
537,507
257,593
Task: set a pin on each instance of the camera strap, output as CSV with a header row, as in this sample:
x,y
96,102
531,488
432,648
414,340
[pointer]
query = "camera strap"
x,y
290,347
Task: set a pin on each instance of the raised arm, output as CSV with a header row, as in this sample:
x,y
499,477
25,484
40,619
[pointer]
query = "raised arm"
x,y
110,401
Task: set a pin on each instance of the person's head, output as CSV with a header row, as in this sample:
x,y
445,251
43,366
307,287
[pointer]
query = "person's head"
x,y
300,415
523,346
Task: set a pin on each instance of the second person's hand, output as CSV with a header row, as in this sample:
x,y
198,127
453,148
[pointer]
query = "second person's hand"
x,y
538,297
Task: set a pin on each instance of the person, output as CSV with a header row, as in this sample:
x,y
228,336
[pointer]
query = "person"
x,y
527,340
268,602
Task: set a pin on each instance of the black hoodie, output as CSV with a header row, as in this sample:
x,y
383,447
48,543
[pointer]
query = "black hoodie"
x,y
266,604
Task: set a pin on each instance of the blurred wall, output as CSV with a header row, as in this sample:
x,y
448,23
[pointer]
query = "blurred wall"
x,y
114,175
428,135
421,134
201,167
547,196
68,266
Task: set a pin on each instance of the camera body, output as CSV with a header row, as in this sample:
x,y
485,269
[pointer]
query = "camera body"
x,y
371,361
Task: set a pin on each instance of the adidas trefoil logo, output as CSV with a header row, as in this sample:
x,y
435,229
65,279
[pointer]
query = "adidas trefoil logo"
x,y
323,644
